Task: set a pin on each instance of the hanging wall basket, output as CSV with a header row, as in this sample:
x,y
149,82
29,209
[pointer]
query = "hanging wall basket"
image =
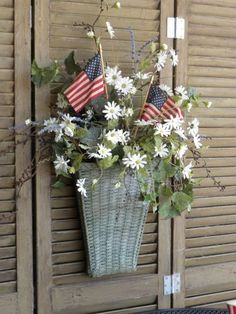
x,y
112,220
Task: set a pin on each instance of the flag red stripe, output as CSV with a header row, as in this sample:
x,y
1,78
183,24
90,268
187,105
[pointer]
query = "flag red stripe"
x,y
154,111
79,103
95,94
172,107
82,94
72,88
146,117
168,112
84,86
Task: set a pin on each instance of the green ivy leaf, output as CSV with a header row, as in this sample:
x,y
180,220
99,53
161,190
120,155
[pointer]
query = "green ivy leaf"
x,y
70,65
166,170
165,191
80,132
167,211
46,75
145,64
58,184
112,124
107,162
148,146
181,201
77,162
188,189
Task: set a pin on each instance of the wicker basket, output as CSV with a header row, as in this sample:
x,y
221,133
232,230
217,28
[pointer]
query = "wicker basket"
x,y
112,220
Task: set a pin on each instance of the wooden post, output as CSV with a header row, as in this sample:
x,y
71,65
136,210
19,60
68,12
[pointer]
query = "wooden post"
x,y
103,69
22,35
179,222
164,225
43,178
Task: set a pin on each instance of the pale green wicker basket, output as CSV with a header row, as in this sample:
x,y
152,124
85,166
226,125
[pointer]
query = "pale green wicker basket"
x,y
112,220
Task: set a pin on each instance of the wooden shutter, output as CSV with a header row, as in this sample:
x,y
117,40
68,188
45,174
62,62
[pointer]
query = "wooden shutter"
x,y
205,240
63,285
15,212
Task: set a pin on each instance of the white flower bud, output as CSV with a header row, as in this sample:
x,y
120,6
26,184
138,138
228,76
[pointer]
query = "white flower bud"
x,y
189,106
28,122
90,34
117,185
117,5
164,47
208,104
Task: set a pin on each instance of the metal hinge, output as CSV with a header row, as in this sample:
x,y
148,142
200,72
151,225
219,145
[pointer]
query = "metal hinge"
x,y
172,284
175,27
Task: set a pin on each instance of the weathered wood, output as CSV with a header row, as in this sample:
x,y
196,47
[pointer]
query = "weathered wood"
x,y
43,214
22,45
181,78
107,294
164,226
9,303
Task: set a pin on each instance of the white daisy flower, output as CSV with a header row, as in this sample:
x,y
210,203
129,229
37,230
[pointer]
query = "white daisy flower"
x,y
67,125
181,91
166,89
80,187
145,123
162,129
110,30
50,122
142,76
187,171
113,136
58,135
133,90
124,136
135,161
197,141
127,112
103,151
124,85
181,152
174,57
161,60
128,161
113,75
193,127
112,111
173,123
93,155
161,151
90,34
181,133
61,164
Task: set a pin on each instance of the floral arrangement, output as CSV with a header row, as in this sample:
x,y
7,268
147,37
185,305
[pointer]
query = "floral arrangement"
x,y
160,151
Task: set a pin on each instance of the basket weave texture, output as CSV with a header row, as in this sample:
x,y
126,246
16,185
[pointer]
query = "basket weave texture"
x,y
112,220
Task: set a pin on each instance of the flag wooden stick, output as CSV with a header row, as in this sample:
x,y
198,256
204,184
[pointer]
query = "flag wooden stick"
x,y
146,97
103,69
145,100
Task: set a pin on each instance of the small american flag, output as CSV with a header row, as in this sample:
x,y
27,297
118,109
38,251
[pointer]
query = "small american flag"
x,y
160,105
88,85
